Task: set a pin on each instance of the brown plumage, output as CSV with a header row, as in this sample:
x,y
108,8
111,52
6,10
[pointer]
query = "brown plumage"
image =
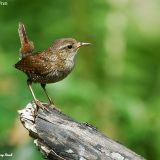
x,y
48,66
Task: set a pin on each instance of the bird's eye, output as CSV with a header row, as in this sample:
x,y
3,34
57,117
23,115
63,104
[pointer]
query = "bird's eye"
x,y
69,46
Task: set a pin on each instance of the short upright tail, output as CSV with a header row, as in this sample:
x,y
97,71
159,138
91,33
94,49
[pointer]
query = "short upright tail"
x,y
26,45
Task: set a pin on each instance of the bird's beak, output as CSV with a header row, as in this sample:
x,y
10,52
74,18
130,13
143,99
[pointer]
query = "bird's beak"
x,y
83,44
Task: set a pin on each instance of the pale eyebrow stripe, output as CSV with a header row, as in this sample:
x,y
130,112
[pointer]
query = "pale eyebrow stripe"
x,y
64,46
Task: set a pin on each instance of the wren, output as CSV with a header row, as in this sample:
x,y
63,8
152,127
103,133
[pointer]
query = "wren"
x,y
49,66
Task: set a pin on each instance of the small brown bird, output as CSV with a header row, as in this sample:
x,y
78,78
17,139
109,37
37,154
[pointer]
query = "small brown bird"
x,y
49,66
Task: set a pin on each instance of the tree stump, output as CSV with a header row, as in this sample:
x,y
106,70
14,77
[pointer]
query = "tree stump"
x,y
59,137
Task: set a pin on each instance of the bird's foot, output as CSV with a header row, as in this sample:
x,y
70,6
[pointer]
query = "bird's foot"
x,y
54,107
39,104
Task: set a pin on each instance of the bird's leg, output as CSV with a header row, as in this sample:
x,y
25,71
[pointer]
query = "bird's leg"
x,y
29,83
38,103
49,98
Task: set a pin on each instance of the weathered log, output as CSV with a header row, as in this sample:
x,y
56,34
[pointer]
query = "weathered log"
x,y
59,137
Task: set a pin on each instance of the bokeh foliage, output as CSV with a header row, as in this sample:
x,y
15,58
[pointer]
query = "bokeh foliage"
x,y
116,82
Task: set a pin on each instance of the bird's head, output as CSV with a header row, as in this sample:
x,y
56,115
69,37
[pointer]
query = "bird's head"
x,y
67,48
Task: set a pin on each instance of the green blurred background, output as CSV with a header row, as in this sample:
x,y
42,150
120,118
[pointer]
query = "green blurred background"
x,y
115,85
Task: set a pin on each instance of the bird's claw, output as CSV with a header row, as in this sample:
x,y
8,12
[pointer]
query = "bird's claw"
x,y
54,107
41,105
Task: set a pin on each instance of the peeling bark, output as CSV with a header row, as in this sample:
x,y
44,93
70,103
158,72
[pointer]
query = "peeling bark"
x,y
59,137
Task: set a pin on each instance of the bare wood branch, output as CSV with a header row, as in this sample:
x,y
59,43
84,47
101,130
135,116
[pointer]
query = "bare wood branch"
x,y
59,137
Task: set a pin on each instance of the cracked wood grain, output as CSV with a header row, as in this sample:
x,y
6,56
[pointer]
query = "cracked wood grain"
x,y
59,137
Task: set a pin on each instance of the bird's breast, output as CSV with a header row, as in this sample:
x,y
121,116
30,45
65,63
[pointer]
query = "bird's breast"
x,y
58,74
53,72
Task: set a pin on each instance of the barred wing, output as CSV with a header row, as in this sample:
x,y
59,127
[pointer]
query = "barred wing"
x,y
35,64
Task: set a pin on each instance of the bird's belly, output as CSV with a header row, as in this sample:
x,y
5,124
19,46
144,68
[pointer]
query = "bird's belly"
x,y
57,76
51,77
